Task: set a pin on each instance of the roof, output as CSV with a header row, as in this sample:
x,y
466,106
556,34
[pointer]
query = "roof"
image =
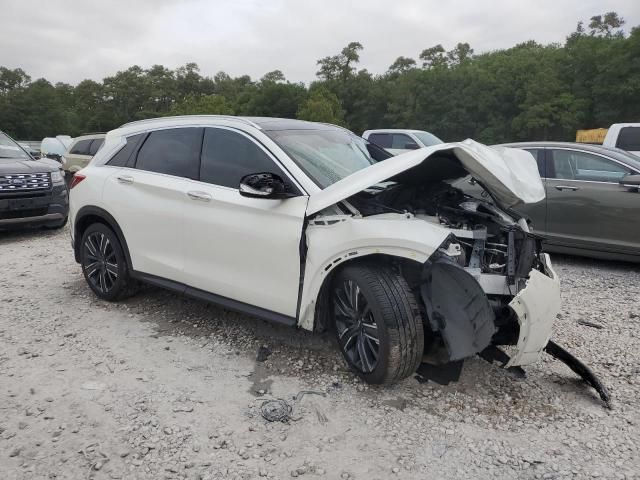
x,y
261,123
272,124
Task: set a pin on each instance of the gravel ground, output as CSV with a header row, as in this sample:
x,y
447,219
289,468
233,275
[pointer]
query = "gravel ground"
x,y
161,386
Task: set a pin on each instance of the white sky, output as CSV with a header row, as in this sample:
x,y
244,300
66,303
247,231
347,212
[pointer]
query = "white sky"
x,y
64,40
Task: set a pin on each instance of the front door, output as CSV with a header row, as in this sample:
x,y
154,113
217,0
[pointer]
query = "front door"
x,y
240,248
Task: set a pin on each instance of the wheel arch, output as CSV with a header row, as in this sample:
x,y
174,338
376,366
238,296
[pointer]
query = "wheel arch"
x,y
314,305
89,215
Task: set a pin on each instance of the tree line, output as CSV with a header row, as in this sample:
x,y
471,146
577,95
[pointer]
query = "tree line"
x,y
527,92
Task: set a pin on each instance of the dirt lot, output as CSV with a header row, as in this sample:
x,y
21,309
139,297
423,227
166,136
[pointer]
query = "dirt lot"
x,y
165,387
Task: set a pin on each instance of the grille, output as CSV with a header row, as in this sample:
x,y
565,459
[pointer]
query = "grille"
x,y
25,182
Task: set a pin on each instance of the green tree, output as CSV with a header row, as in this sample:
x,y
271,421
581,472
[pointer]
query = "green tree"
x,y
461,53
434,57
202,105
607,25
322,106
402,65
341,66
12,79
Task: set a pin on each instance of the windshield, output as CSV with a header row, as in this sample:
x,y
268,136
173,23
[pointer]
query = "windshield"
x,y
326,156
10,149
427,138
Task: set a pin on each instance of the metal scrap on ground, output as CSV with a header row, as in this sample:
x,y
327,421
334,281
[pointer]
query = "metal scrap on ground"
x,y
279,410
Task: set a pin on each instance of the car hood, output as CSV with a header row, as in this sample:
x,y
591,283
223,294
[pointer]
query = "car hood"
x,y
13,165
510,175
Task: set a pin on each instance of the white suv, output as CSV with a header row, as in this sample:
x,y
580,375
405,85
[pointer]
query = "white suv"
x,y
298,223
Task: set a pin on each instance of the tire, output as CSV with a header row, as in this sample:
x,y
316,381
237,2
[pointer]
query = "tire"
x,y
104,265
377,322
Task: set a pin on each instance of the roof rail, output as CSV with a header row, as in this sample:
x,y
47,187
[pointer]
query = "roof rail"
x,y
91,133
221,117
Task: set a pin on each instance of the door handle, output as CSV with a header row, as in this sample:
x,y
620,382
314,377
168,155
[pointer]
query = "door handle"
x,y
126,179
566,187
202,196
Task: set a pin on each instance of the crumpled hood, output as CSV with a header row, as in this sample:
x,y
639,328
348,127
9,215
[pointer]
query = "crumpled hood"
x,y
509,174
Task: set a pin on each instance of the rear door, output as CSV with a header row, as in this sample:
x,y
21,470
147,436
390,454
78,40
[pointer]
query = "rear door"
x,y
586,205
240,248
146,198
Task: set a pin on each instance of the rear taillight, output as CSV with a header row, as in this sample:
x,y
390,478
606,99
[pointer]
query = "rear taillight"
x,y
77,178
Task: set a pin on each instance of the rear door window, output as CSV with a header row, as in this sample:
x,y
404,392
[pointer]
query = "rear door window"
x,y
227,156
629,139
574,165
81,147
174,151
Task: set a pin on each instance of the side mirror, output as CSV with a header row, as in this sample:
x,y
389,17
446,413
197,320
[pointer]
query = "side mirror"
x,y
264,185
630,181
411,146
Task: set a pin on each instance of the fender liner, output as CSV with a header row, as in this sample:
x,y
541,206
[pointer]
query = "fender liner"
x,y
107,218
457,307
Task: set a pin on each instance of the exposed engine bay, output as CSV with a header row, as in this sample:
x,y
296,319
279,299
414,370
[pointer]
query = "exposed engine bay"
x,y
491,240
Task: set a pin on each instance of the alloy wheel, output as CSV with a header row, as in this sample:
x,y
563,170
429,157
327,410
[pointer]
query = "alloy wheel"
x,y
356,327
100,262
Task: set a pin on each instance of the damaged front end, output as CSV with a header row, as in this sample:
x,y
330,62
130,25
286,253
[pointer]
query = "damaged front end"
x,y
487,284
481,274
473,301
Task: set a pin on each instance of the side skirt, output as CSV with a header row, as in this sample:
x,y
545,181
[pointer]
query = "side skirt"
x,y
224,302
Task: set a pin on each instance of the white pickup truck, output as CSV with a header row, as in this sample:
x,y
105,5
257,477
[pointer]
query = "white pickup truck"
x,y
625,136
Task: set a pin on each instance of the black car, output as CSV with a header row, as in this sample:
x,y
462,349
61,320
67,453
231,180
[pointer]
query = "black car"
x,y
32,192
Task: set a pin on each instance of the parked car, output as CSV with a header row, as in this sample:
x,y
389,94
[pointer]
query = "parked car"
x,y
299,223
54,147
32,148
592,202
399,141
625,136
81,151
32,192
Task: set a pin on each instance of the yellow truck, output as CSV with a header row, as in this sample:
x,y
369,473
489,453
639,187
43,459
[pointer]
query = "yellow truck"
x,y
594,135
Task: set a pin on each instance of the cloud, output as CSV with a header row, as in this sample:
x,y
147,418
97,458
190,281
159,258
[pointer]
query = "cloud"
x,y
71,40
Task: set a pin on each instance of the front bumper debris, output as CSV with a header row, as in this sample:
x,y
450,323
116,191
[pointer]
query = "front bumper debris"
x,y
556,351
536,307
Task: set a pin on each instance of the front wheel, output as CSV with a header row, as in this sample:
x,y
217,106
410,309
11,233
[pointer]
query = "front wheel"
x,y
377,322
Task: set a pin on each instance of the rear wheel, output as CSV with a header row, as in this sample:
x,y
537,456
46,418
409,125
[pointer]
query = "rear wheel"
x,y
104,265
377,322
